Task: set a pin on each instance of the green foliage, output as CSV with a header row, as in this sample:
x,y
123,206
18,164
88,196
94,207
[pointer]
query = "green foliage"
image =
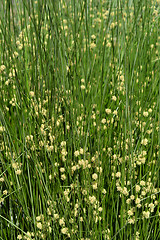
x,y
79,119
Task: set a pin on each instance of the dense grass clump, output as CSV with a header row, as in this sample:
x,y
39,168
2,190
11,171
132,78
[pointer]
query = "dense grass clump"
x,y
79,119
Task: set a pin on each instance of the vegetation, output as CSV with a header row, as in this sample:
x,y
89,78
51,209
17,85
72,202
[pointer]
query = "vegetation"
x,y
79,119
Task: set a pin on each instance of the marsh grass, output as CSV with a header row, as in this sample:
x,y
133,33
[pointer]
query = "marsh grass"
x,y
79,119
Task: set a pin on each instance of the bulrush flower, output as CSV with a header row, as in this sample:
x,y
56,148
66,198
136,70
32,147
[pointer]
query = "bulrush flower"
x,y
61,221
146,214
39,225
83,87
76,153
92,199
2,68
138,188
31,93
18,171
95,176
108,111
144,141
114,98
64,230
103,121
145,114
